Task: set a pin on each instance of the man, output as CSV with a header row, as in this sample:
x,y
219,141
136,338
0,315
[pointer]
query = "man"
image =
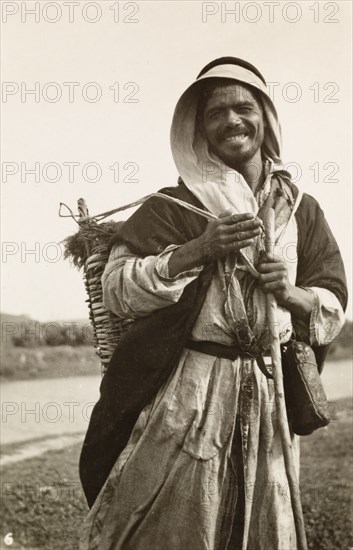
x,y
184,437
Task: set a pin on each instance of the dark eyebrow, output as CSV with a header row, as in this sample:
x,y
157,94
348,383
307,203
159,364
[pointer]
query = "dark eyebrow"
x,y
242,103
246,104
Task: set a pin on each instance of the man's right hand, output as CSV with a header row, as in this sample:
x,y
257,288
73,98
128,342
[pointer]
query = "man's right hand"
x,y
229,233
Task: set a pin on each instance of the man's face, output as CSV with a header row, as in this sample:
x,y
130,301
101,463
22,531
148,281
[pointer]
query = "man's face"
x,y
233,124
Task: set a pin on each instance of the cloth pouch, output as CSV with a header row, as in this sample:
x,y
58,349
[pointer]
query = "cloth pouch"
x,y
307,406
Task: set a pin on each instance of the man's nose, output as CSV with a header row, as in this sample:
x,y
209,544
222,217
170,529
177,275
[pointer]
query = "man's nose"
x,y
233,119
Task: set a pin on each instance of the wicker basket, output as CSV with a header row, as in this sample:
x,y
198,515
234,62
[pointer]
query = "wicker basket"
x,y
89,249
107,327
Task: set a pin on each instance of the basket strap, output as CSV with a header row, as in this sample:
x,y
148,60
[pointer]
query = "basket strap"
x,y
204,213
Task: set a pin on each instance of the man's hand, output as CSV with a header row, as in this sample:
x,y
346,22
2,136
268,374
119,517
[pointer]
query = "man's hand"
x,y
274,277
228,234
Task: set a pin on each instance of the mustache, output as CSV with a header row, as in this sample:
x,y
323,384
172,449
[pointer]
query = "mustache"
x,y
234,132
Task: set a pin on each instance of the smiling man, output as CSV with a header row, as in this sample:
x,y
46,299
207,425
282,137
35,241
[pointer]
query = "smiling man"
x,y
233,124
183,450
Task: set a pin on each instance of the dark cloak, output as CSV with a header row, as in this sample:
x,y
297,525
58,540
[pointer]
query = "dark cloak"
x,y
150,350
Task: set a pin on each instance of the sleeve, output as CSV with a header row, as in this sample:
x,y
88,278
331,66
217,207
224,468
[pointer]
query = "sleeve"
x,y
320,270
326,318
319,259
135,287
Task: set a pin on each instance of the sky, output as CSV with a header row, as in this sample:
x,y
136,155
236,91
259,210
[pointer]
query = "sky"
x,y
105,78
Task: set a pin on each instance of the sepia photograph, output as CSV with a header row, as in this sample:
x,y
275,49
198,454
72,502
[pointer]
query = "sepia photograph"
x,y
176,274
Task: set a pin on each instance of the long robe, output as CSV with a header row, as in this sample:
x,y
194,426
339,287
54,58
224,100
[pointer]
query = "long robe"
x,y
166,448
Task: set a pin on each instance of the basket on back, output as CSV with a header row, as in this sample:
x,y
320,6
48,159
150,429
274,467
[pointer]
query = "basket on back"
x,y
89,249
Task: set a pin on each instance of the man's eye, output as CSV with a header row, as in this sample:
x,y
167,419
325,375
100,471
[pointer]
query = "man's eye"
x,y
214,114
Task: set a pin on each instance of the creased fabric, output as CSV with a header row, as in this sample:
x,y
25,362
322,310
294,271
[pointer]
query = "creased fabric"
x,y
326,319
134,287
174,486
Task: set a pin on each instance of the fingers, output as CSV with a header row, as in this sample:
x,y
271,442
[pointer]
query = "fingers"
x,y
266,257
221,249
235,246
225,214
235,218
274,286
221,232
254,223
236,236
230,233
273,276
272,267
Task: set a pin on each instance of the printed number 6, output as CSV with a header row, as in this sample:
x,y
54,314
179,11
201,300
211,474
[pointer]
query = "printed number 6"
x,y
8,539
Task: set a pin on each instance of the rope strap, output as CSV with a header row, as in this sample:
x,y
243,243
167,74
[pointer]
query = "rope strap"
x,y
186,205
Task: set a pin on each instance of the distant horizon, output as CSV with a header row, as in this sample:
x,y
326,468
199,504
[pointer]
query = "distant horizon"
x,y
69,320
28,316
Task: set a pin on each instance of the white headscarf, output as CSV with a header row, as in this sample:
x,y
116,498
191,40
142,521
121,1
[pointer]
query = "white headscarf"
x,y
216,185
221,188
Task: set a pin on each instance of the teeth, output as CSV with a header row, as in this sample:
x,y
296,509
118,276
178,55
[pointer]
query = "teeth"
x,y
238,137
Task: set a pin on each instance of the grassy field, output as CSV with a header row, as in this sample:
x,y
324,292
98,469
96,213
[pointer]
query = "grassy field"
x,y
43,505
19,363
36,360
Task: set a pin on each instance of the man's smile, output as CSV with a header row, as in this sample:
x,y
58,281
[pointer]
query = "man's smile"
x,y
236,135
236,138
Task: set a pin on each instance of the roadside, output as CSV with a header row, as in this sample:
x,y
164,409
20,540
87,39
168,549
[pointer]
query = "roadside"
x,y
43,504
45,414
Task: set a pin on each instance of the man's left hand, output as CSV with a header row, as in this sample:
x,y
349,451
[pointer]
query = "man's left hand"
x,y
274,277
